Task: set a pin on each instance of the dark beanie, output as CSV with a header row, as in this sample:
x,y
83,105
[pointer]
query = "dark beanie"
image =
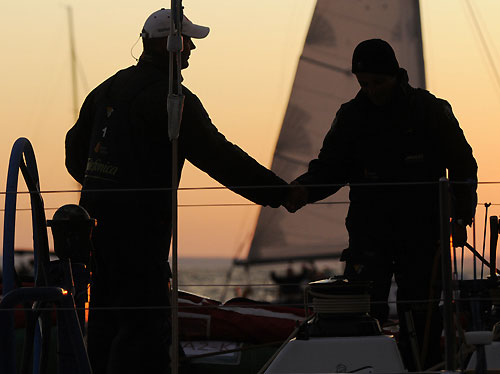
x,y
374,56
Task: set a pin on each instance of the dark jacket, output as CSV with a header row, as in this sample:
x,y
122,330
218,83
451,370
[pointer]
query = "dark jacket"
x,y
120,144
415,138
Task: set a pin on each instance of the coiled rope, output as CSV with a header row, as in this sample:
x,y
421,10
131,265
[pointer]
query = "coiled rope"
x,y
340,304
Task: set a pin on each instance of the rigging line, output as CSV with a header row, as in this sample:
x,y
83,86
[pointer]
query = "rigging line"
x,y
215,205
180,205
330,203
483,41
489,39
240,205
374,184
224,306
160,189
240,284
478,256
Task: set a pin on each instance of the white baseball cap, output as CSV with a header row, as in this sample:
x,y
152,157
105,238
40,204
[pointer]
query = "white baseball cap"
x,y
158,26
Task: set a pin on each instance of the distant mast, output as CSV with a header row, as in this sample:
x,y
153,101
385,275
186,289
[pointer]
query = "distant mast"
x,y
72,51
74,80
323,82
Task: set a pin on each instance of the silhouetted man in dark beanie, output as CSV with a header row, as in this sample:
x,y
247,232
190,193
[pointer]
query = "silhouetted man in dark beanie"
x,y
374,56
392,143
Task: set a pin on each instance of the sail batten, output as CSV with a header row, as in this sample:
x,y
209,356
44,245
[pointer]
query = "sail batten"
x,y
326,65
322,83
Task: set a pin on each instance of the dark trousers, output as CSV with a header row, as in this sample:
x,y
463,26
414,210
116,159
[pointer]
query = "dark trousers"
x,y
415,264
129,320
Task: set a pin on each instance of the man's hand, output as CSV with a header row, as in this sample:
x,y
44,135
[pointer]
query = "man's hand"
x,y
459,233
296,197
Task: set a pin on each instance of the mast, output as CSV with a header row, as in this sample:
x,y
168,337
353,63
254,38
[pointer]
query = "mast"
x,y
72,52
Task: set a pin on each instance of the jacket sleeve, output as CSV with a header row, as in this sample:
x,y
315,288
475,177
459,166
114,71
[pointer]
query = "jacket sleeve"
x,y
77,142
206,148
331,168
461,165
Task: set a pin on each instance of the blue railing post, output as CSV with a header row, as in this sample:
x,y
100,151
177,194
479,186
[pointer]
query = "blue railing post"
x,y
22,152
23,158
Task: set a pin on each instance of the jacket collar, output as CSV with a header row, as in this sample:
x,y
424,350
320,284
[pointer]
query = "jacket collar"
x,y
159,62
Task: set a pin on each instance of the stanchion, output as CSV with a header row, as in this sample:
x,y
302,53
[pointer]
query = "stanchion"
x,y
174,106
449,331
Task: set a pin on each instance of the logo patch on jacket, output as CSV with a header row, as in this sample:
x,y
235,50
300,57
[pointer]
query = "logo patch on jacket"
x,y
412,159
101,170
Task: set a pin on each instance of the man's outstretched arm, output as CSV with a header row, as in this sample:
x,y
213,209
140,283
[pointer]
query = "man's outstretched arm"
x,y
326,174
210,151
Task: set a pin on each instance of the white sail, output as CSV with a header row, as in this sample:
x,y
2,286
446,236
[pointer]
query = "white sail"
x,y
322,83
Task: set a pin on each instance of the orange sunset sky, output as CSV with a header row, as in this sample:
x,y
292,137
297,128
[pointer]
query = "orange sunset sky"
x,y
242,72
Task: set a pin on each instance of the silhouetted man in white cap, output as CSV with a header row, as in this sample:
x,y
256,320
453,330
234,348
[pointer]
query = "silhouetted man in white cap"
x,y
119,150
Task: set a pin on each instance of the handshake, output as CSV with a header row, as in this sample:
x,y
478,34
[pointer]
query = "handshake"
x,y
296,197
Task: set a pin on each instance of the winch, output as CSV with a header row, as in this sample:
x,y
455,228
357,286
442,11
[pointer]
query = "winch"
x,y
341,308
